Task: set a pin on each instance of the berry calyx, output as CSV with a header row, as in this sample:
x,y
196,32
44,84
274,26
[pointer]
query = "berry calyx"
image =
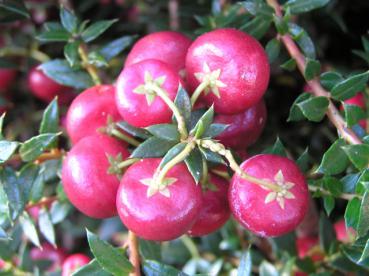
x,y
244,128
261,210
214,211
74,262
231,67
87,183
164,215
143,92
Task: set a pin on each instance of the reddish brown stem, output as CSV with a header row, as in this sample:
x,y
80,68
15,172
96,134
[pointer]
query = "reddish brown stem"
x,y
134,255
43,202
314,84
173,14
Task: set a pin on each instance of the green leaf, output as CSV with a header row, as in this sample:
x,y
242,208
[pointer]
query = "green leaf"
x,y
2,117
302,6
312,69
326,233
59,211
13,191
352,213
303,161
68,20
295,112
154,268
245,267
3,234
60,71
183,103
303,40
50,118
358,155
35,146
135,131
29,229
363,223
330,79
314,108
289,65
91,269
353,114
116,46
109,258
259,8
7,149
153,147
53,26
96,29
97,59
214,130
328,204
16,7
53,36
165,131
150,250
273,48
195,165
257,27
348,88
280,24
334,160
267,269
173,152
26,178
46,226
212,156
278,149
71,52
203,124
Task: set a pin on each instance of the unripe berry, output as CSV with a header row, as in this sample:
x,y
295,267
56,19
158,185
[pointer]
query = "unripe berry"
x,y
73,263
6,78
264,211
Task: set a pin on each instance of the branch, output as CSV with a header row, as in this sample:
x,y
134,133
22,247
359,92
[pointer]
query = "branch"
x,y
314,84
173,15
134,255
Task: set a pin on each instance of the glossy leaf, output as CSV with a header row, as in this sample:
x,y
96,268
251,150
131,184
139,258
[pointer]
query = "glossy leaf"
x,y
173,152
278,149
314,108
267,269
358,155
352,213
330,79
154,268
153,147
273,48
96,29
165,131
303,40
29,229
212,156
50,118
257,27
13,191
326,233
353,114
195,165
295,112
115,47
7,149
347,88
71,53
46,226
15,7
203,124
303,161
363,223
135,131
91,269
245,267
214,130
302,6
183,103
289,65
312,68
334,160
59,211
68,20
35,146
53,36
259,8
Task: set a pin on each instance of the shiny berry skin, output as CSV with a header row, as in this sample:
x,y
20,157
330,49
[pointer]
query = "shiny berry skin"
x,y
214,211
55,255
135,108
244,128
257,208
47,89
167,46
85,176
6,78
358,100
158,217
243,64
89,111
74,262
343,234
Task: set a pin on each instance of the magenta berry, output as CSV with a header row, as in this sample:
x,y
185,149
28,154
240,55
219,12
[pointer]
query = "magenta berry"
x,y
48,253
236,66
167,46
244,128
138,104
47,89
214,210
6,78
85,175
264,211
73,263
309,247
344,234
90,110
158,213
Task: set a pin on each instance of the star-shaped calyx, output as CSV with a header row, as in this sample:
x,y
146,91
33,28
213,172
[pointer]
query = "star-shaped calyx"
x,y
114,162
146,88
283,193
155,186
211,78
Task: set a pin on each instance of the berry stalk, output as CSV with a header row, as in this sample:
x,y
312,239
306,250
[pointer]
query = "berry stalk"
x,y
126,138
134,255
23,52
196,94
83,52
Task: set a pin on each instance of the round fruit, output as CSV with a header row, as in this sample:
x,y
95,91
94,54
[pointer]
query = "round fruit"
x,y
158,214
236,65
358,100
85,177
167,46
47,89
261,210
6,78
243,128
55,255
343,234
138,104
90,110
309,247
214,210
74,262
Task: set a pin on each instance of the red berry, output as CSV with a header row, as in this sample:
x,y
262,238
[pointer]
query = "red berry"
x,y
261,210
89,111
6,78
238,65
167,46
243,128
345,235
85,175
2,264
169,212
309,247
74,262
214,210
139,106
47,89
358,100
55,255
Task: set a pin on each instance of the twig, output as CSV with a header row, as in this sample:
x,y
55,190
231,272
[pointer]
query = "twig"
x,y
173,15
134,255
83,52
43,202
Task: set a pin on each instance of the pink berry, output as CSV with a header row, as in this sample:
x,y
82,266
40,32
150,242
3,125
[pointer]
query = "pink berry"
x,y
345,235
55,255
243,128
90,110
163,214
261,210
85,177
6,78
167,46
214,211
237,65
47,89
358,100
74,262
140,106
309,247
